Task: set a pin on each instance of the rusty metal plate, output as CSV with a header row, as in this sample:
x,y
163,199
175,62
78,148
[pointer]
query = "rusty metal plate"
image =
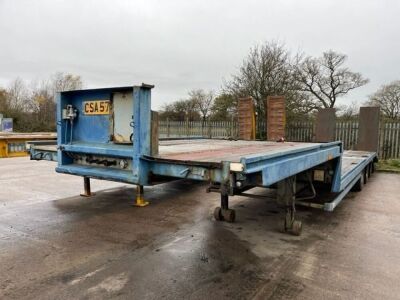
x,y
276,117
246,119
368,129
326,125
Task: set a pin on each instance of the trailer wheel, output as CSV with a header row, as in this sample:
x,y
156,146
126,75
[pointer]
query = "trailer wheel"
x,y
365,175
297,226
217,214
229,215
359,185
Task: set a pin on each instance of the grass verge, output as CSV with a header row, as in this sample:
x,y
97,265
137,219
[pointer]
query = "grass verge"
x,y
390,165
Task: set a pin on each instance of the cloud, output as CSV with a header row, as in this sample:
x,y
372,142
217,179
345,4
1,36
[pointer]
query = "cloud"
x,y
180,45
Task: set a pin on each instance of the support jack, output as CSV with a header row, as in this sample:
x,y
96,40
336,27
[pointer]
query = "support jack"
x,y
86,188
140,202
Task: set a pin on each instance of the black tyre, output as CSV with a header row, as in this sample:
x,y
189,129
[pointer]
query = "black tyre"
x,y
359,185
297,227
365,175
229,215
217,214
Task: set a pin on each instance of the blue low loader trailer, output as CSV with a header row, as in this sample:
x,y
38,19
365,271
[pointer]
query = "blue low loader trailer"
x,y
111,134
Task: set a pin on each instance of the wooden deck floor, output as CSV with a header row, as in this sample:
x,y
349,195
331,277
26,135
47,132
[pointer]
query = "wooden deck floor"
x,y
351,159
205,150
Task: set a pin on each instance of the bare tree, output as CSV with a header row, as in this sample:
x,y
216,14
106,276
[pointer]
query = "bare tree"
x,y
3,101
348,112
65,82
268,71
180,110
203,101
299,106
265,72
32,106
326,79
224,107
18,95
387,97
43,106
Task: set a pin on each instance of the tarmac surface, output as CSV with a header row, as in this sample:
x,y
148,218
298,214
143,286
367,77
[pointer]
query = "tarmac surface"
x,y
55,244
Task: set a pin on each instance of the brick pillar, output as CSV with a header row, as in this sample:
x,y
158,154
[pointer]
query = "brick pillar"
x,y
246,119
275,117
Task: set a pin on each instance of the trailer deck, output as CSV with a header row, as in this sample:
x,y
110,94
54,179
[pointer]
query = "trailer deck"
x,y
196,150
92,123
212,150
211,153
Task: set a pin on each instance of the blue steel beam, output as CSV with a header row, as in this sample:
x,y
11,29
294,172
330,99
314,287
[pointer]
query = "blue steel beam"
x,y
337,176
98,172
141,132
257,157
280,166
185,171
99,149
347,178
42,155
330,206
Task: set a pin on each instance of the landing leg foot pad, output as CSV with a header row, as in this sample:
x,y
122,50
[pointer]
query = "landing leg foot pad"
x,y
294,228
87,195
297,226
217,214
227,215
141,202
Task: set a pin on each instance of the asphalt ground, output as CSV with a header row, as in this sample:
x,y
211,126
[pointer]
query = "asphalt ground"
x,y
55,244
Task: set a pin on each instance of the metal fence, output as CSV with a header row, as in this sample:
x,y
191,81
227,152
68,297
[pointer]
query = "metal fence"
x,y
346,131
214,129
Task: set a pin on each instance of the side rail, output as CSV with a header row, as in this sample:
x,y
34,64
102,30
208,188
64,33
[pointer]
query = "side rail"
x,y
43,150
279,166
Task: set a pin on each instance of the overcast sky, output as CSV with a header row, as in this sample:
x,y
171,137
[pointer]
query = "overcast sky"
x,y
181,45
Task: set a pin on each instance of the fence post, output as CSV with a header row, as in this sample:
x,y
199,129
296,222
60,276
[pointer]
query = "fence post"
x,y
168,128
187,126
232,128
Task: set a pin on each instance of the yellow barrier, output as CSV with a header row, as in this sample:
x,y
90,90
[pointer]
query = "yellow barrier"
x,y
15,144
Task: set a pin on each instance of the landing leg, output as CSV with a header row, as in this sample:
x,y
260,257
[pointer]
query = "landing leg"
x,y
140,197
370,169
86,187
224,213
291,224
286,195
